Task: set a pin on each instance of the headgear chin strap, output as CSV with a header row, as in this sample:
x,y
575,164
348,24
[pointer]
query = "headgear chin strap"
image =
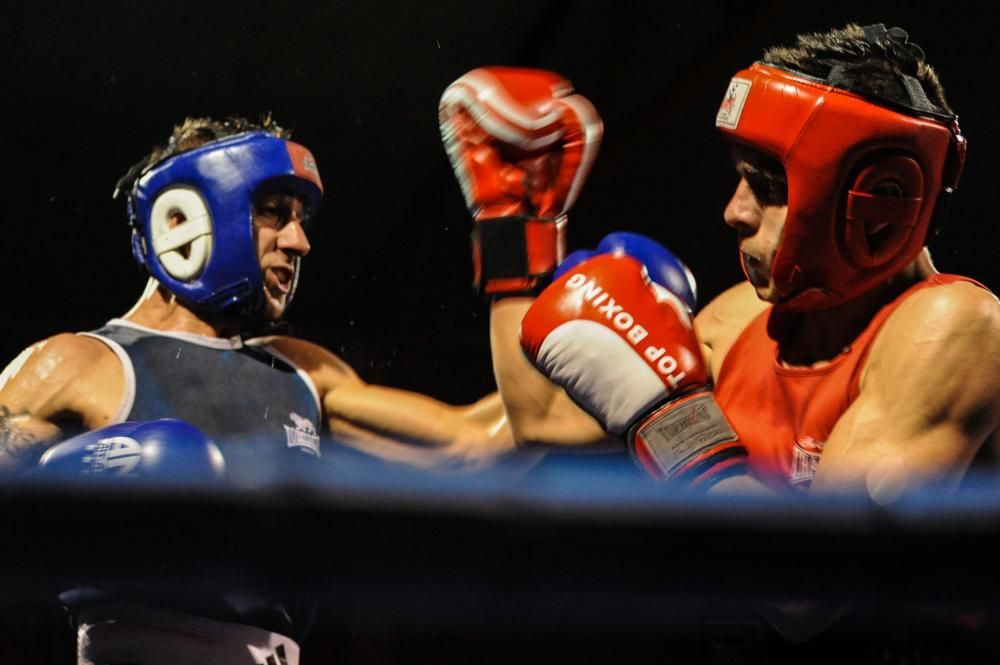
x,y
209,260
844,234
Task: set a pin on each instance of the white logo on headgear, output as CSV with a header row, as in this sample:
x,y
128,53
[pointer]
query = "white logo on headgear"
x,y
732,104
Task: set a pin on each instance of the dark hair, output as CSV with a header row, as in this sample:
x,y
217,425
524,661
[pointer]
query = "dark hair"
x,y
194,132
872,60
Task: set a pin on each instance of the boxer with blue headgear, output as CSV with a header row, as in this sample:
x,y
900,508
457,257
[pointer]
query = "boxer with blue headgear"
x,y
192,217
218,218
218,221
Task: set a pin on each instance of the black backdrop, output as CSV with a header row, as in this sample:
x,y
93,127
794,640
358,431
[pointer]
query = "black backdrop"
x,y
88,87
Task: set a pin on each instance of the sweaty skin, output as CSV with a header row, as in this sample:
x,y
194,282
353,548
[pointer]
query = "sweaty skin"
x,y
61,386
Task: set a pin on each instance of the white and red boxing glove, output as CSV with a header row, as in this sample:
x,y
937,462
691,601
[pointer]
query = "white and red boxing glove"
x,y
624,349
521,144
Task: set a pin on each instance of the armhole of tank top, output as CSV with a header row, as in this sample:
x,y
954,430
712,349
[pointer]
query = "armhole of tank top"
x,y
15,365
128,399
302,375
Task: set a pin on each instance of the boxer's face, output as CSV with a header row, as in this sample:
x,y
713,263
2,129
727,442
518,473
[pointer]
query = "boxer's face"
x,y
757,211
279,220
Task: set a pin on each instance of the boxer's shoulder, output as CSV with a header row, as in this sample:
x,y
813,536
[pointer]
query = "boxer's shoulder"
x,y
326,369
71,350
944,329
67,371
65,380
957,303
722,320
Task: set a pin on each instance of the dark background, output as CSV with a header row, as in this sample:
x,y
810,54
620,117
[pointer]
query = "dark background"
x,y
89,87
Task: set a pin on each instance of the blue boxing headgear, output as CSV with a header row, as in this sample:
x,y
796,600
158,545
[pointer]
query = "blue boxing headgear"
x,y
209,261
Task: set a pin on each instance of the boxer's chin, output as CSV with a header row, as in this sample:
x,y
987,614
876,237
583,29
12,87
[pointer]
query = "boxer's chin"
x,y
273,306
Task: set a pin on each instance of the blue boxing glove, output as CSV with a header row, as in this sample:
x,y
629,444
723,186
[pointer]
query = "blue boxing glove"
x,y
663,267
167,449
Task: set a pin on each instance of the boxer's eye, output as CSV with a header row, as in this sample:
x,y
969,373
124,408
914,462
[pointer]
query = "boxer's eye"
x,y
277,211
764,174
266,216
272,214
768,188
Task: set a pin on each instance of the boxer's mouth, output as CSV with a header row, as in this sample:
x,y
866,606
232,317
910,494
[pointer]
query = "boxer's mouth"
x,y
756,272
279,279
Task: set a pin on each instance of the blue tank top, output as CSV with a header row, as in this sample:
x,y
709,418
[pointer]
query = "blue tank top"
x,y
256,405
239,393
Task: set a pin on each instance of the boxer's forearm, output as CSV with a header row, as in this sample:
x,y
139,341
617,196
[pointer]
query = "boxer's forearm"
x,y
539,411
363,410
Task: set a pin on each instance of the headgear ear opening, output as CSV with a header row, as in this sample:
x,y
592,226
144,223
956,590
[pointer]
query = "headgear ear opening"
x,y
181,227
882,209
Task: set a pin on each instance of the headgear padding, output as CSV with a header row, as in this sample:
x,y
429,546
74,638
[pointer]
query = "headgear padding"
x,y
209,260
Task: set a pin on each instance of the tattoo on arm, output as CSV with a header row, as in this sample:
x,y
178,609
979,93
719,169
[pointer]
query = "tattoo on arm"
x,y
15,441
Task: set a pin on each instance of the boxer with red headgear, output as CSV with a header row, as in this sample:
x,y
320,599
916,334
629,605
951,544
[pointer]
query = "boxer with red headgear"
x,y
846,361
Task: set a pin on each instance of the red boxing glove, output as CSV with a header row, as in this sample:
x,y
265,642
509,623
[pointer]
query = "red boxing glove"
x,y
521,145
625,351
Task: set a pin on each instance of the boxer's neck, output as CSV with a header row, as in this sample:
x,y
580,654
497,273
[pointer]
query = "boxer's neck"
x,y
810,339
159,309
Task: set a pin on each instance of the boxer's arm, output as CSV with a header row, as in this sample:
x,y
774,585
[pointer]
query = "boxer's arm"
x,y
409,427
722,320
929,397
540,412
718,325
394,424
64,380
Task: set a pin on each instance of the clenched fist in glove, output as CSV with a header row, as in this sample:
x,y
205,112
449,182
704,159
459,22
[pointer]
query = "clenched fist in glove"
x,y
623,347
521,144
168,449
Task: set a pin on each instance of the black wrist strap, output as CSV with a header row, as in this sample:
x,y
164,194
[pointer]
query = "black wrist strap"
x,y
501,250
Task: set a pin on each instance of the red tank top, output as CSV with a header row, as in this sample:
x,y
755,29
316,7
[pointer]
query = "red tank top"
x,y
784,415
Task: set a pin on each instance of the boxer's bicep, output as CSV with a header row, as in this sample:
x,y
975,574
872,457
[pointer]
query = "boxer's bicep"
x,y
374,416
414,429
929,398
36,391
391,412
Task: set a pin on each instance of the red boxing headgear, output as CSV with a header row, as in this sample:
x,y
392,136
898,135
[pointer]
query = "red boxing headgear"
x,y
837,147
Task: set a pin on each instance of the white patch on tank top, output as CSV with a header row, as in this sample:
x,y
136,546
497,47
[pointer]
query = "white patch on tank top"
x,y
805,458
302,434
